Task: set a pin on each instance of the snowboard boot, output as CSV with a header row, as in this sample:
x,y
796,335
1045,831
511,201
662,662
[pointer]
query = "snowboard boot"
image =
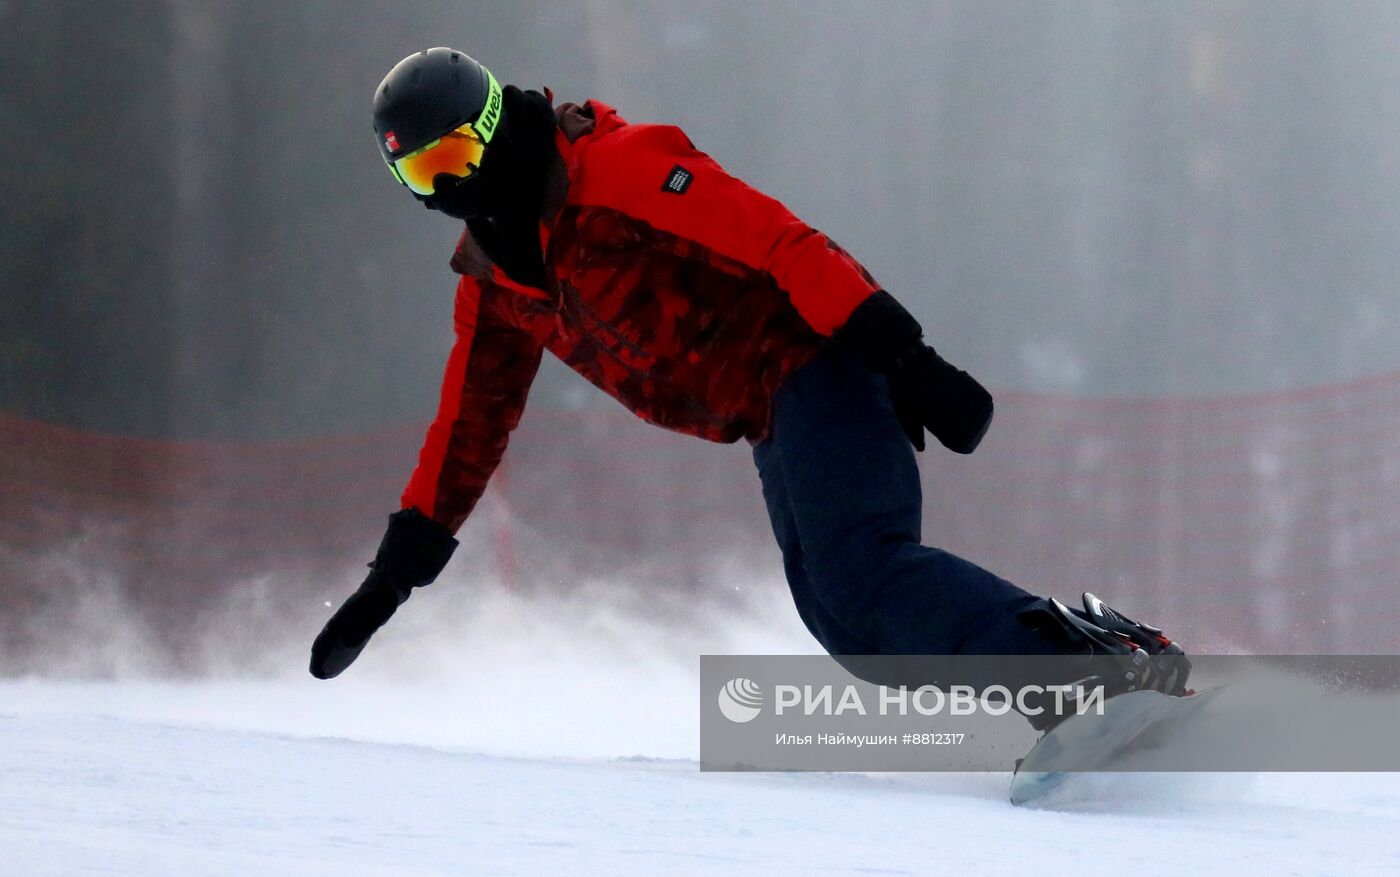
x,y
1123,655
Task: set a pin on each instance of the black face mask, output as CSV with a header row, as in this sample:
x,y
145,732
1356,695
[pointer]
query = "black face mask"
x,y
511,181
502,203
461,199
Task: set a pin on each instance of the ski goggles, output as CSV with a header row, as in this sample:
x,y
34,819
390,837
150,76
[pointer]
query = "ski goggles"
x,y
457,153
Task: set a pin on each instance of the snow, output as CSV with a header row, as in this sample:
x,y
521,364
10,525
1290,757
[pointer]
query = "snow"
x,y
488,736
89,786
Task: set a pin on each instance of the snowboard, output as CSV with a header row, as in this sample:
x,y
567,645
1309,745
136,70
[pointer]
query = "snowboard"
x,y
1131,722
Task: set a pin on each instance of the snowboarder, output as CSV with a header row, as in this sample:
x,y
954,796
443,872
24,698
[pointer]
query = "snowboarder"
x,y
707,308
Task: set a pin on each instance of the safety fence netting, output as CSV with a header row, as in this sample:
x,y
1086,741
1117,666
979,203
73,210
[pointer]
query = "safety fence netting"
x,y
1260,523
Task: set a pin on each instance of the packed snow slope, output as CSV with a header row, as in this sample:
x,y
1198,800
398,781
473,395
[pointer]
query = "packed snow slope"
x,y
524,739
102,795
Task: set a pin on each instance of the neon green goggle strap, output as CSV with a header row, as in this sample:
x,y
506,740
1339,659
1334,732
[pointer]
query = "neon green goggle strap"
x,y
485,124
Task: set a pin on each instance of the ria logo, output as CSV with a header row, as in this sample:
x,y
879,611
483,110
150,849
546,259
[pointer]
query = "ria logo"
x,y
741,700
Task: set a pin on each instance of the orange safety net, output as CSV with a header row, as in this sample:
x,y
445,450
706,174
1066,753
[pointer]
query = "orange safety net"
x,y
1261,523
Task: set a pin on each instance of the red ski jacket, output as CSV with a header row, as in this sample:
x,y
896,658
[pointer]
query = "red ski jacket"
x,y
677,289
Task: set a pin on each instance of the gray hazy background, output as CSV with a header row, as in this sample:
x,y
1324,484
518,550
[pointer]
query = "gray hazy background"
x,y
1080,200
1103,198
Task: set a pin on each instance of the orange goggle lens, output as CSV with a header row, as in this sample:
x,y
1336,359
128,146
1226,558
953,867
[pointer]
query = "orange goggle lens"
x,y
456,153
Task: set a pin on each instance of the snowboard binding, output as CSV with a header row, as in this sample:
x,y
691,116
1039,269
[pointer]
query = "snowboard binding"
x,y
1124,655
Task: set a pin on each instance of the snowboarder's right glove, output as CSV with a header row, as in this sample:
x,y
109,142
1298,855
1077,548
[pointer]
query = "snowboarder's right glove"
x,y
414,550
927,391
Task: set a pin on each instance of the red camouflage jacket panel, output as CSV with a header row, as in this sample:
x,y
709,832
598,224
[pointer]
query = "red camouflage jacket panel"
x,y
675,288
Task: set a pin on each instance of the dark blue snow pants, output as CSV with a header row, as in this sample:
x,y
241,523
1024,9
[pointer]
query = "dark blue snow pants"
x,y
843,493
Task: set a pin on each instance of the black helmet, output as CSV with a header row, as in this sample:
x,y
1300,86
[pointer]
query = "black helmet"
x,y
429,94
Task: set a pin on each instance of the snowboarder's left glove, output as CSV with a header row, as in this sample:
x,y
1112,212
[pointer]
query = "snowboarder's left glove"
x,y
927,391
412,554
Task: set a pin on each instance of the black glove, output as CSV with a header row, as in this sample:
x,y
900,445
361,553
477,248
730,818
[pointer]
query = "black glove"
x,y
927,391
414,550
